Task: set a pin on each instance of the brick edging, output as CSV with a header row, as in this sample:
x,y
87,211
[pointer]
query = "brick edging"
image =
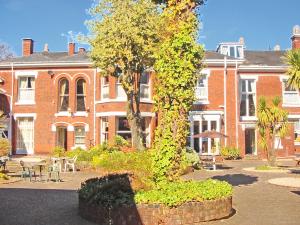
x,y
192,213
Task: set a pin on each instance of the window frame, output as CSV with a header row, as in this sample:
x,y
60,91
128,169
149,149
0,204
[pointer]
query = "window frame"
x,y
20,99
104,134
64,95
82,145
84,95
296,92
145,86
204,73
104,85
247,93
119,84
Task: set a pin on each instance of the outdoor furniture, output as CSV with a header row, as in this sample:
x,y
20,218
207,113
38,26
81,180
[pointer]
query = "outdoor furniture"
x,y
3,161
27,171
208,161
60,161
42,164
71,163
54,172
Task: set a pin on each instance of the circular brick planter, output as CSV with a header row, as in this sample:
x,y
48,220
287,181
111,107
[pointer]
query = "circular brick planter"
x,y
192,213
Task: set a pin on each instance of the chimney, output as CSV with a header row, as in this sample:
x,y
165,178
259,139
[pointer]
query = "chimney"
x,y
71,48
46,49
81,50
242,40
27,46
276,48
296,37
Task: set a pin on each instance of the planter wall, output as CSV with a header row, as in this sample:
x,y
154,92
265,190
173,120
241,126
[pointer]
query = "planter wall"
x,y
155,214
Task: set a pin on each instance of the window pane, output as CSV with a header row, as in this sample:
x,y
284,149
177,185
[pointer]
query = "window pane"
x,y
251,105
243,85
80,103
243,106
79,131
196,144
213,125
204,126
126,136
144,78
238,55
232,51
204,145
123,124
196,127
79,88
64,103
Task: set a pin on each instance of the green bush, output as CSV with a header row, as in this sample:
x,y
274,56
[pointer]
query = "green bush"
x,y
119,141
192,158
58,151
115,190
138,163
3,176
230,153
176,193
266,167
4,147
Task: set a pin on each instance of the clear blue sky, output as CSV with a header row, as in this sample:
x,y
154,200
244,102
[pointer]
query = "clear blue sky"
x,y
262,23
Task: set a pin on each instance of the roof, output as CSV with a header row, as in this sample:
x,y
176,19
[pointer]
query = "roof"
x,y
49,57
256,58
264,58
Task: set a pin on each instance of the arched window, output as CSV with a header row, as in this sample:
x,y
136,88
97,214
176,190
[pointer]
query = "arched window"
x,y
63,95
80,95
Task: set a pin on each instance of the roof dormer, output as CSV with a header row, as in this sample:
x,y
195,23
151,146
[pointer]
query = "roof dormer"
x,y
232,49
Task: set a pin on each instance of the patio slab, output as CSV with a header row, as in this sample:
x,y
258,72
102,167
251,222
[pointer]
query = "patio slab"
x,y
286,181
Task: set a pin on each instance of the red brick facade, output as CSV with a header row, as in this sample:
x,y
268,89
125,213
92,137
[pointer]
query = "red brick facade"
x,y
219,111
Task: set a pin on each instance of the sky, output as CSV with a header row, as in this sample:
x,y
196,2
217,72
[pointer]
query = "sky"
x,y
262,23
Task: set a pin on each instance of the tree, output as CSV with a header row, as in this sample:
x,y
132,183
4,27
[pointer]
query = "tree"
x,y
124,34
292,58
272,122
178,62
5,52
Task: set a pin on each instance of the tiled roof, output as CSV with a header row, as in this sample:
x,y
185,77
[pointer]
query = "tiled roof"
x,y
264,58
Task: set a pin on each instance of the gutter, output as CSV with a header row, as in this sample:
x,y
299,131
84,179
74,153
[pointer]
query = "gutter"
x,y
94,117
11,105
225,98
40,64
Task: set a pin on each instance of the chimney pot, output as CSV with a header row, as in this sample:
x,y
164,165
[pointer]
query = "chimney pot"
x,y
242,40
277,48
296,37
81,50
27,46
46,49
71,48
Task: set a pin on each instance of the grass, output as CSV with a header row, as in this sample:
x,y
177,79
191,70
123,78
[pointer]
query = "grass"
x,y
266,168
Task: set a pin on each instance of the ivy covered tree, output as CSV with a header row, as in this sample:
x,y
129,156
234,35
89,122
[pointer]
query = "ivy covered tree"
x,y
272,122
124,35
178,62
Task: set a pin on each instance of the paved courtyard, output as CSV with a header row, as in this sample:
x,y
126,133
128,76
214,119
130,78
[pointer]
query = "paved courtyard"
x,y
256,202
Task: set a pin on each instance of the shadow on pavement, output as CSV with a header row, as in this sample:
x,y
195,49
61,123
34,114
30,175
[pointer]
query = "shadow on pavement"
x,y
237,179
20,206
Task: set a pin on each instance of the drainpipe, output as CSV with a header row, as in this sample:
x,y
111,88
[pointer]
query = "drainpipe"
x,y
94,92
236,105
11,106
225,98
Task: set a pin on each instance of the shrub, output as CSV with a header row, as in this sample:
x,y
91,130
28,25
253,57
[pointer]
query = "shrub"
x,y
266,167
138,163
119,141
4,147
176,193
115,190
58,151
108,191
192,158
230,153
3,176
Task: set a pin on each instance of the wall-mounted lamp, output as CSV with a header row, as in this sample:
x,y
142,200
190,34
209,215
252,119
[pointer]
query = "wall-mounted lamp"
x,y
51,73
1,80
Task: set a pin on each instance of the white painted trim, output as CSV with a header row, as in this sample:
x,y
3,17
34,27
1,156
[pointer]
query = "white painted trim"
x,y
293,116
2,91
249,77
84,114
283,77
291,106
70,128
79,146
205,112
103,114
108,100
54,64
204,102
26,73
62,114
20,115
25,103
262,68
86,128
53,128
248,118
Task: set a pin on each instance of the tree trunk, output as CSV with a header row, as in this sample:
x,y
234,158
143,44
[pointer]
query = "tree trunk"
x,y
272,154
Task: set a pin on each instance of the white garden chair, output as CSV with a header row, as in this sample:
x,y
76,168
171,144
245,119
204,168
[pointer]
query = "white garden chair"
x,y
71,163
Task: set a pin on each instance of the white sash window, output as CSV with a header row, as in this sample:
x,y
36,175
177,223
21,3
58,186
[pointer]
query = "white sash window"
x,y
26,89
25,135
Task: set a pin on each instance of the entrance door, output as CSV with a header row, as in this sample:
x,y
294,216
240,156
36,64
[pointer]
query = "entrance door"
x,y
62,137
250,141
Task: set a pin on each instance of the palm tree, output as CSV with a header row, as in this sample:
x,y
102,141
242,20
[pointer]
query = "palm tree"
x,y
272,122
292,58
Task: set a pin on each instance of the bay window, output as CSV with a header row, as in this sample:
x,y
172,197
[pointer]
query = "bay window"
x,y
290,96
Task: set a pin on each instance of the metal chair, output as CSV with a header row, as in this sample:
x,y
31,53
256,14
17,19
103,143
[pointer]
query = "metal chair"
x,y
27,171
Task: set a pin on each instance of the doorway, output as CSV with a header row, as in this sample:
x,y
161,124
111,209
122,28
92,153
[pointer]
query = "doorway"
x,y
250,143
62,137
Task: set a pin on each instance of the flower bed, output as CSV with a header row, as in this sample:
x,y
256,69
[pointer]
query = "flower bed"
x,y
111,200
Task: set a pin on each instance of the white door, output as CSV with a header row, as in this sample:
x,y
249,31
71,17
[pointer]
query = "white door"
x,y
25,135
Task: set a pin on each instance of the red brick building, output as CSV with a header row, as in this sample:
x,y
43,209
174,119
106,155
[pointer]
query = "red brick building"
x,y
58,98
